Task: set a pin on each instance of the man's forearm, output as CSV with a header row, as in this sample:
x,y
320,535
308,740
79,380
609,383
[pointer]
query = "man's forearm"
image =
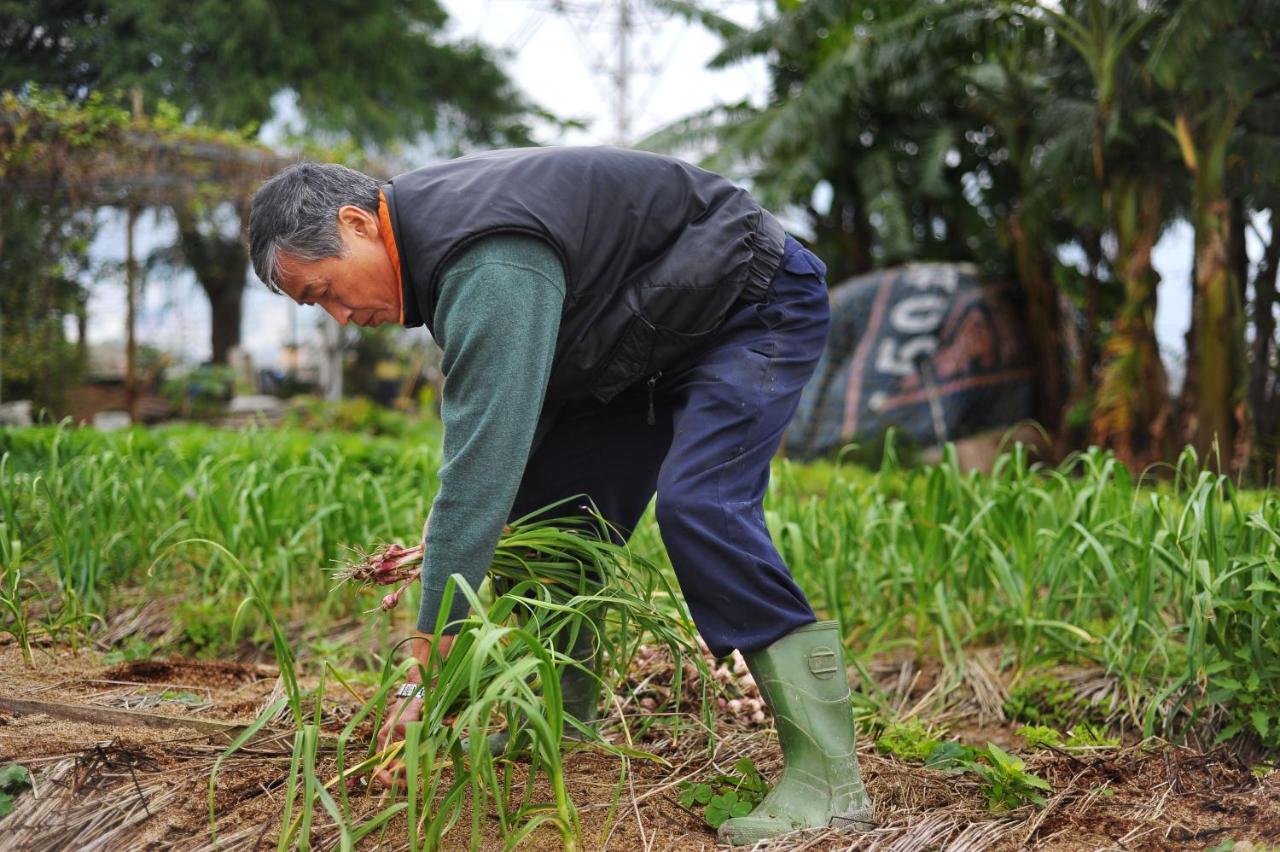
x,y
420,649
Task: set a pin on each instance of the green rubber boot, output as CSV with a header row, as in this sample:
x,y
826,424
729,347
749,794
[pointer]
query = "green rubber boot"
x,y
579,691
802,679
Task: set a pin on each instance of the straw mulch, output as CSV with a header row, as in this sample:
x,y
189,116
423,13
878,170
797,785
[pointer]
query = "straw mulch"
x,y
100,787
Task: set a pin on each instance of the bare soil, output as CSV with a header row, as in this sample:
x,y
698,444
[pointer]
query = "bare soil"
x,y
111,787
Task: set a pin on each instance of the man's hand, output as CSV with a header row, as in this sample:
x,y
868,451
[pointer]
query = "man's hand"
x,y
407,710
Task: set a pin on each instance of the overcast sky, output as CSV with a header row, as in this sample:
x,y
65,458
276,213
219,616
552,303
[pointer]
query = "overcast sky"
x,y
562,60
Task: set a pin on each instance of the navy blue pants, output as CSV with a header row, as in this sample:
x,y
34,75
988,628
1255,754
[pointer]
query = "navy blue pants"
x,y
718,423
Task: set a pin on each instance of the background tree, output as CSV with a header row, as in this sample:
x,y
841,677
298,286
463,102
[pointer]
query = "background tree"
x,y
1217,57
920,117
1257,190
41,259
368,73
1021,133
1131,409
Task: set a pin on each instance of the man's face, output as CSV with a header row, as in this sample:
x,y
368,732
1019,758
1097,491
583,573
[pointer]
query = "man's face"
x,y
358,286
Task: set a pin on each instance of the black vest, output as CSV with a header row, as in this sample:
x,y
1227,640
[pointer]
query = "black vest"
x,y
655,251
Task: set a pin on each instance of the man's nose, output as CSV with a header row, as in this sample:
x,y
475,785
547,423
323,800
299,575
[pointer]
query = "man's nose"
x,y
340,313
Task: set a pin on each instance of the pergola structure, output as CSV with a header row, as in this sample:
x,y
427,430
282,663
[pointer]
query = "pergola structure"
x,y
129,164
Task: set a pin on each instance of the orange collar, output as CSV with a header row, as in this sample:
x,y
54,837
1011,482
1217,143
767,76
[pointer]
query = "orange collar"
x,y
389,241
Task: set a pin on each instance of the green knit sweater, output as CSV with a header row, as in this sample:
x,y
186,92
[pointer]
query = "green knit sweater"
x,y
497,317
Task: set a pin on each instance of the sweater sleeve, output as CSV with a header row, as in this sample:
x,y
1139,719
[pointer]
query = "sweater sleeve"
x,y
496,318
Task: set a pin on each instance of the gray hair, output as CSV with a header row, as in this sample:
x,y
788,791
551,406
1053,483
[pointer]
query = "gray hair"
x,y
296,212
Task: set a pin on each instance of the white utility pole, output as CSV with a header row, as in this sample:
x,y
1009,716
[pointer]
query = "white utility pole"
x,y
613,59
622,73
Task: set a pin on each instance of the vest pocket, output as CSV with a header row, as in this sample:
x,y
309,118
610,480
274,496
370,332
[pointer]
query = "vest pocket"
x,y
643,349
675,348
626,362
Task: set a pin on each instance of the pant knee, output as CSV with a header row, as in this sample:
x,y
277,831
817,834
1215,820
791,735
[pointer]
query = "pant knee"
x,y
676,508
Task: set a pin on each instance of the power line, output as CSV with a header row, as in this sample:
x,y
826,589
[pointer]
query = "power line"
x,y
618,40
617,64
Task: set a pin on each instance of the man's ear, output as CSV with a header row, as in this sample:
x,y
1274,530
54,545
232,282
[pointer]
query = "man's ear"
x,y
361,222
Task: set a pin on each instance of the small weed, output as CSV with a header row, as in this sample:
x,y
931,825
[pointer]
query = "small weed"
x,y
1040,699
1090,736
726,796
206,628
14,778
909,741
1006,781
1253,705
1040,736
1079,737
135,649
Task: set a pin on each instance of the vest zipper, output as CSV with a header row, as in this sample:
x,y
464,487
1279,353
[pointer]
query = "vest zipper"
x,y
653,380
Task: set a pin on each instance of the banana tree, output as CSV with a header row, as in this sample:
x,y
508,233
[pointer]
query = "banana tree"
x,y
1214,57
1131,407
866,100
1010,90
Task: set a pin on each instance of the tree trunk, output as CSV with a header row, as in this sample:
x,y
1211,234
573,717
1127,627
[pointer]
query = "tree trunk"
x,y
1215,327
1045,322
1264,387
1093,286
82,331
225,304
2,233
1237,248
131,315
219,264
1217,315
1132,405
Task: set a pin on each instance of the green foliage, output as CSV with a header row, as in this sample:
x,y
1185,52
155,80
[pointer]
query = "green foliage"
x,y
133,650
44,120
15,592
14,778
1229,845
1166,587
1236,685
724,797
557,579
1082,736
910,741
392,75
181,697
1091,737
1006,782
1002,133
30,611
206,628
202,391
895,107
44,138
355,414
1041,699
1040,736
42,262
